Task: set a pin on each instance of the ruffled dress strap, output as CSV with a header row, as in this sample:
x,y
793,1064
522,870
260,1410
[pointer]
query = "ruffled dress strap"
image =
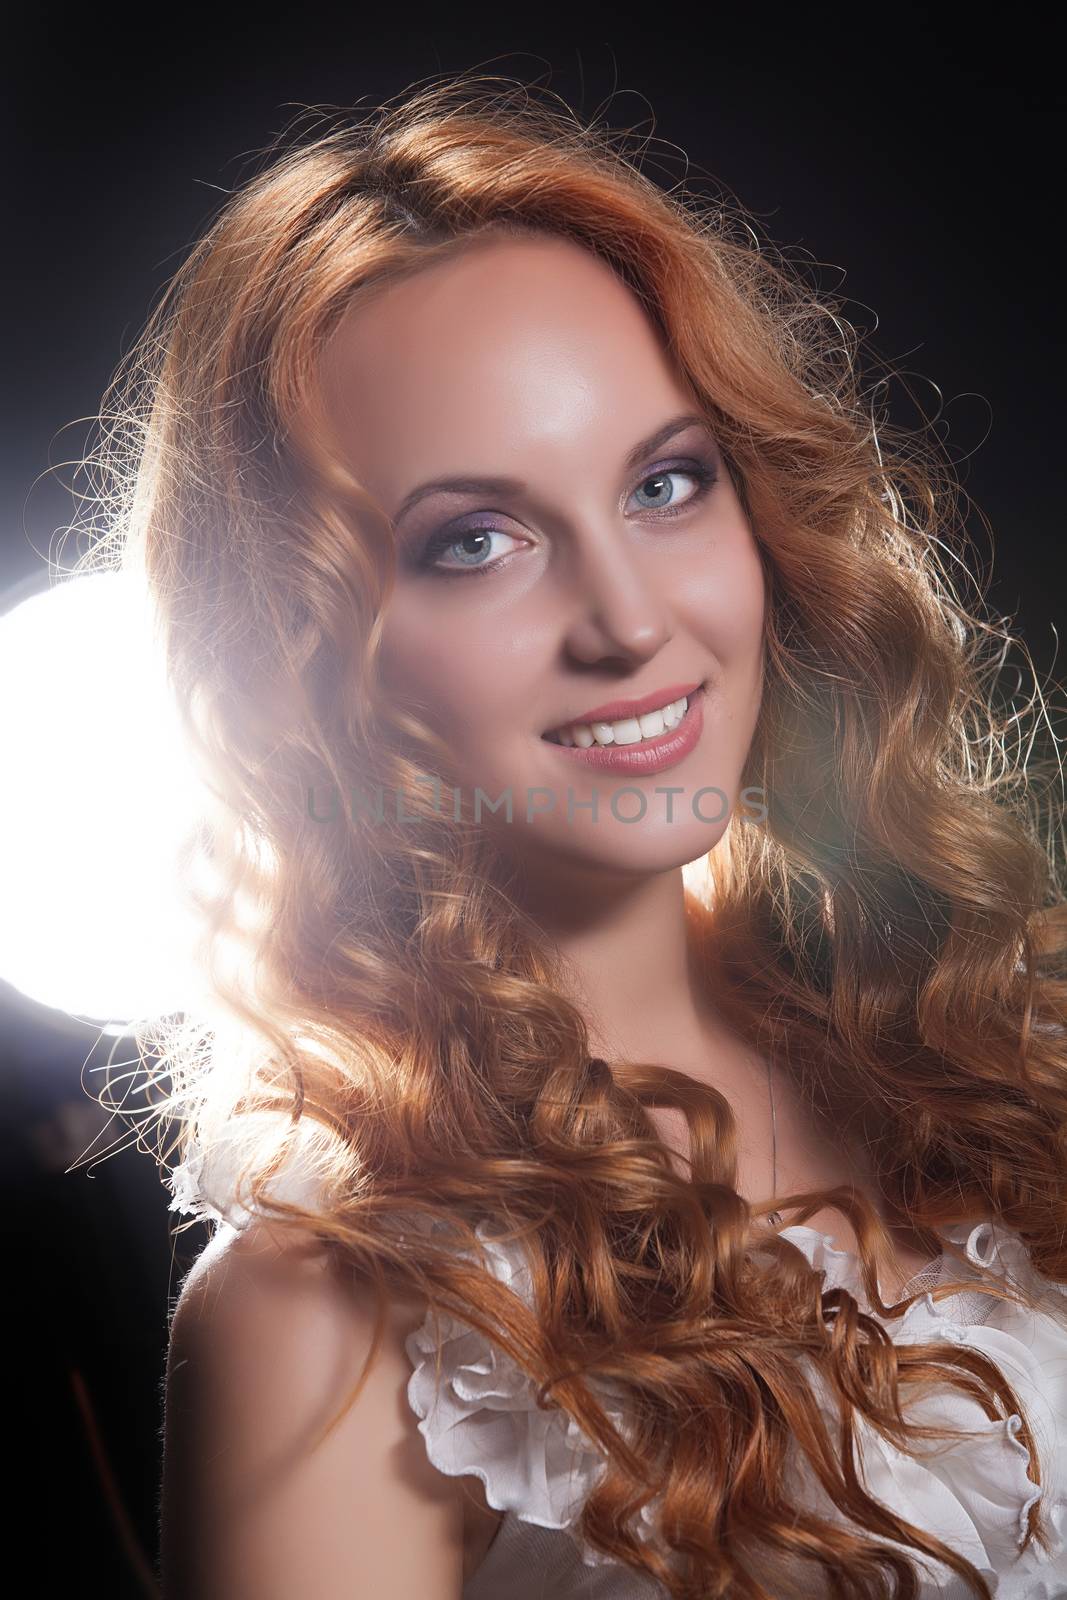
x,y
207,1183
975,1493
479,1416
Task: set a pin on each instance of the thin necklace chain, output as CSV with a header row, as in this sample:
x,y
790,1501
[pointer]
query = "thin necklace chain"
x,y
775,1216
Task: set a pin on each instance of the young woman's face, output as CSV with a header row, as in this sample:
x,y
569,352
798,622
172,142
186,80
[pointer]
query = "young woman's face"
x,y
604,568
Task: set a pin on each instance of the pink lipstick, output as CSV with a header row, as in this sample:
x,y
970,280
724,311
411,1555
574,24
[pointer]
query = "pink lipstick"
x,y
649,756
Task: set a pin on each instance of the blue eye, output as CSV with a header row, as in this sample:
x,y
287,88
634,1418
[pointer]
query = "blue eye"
x,y
450,540
703,475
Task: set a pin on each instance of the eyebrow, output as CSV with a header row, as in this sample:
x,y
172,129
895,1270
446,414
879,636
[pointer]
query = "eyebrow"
x,y
498,485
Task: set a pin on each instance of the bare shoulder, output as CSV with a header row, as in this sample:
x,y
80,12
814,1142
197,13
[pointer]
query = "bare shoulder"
x,y
264,1261
261,1497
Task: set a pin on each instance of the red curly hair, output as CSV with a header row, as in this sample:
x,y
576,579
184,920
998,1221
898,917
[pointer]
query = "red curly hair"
x,y
893,930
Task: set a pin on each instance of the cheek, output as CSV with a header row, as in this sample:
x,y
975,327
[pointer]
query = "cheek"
x,y
725,598
448,673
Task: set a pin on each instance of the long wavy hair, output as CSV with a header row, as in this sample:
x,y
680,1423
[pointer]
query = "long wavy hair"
x,y
891,931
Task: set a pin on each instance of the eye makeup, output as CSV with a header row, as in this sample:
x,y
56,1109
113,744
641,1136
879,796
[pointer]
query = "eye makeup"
x,y
704,474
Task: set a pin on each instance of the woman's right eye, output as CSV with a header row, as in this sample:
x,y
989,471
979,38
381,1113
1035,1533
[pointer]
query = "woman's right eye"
x,y
472,561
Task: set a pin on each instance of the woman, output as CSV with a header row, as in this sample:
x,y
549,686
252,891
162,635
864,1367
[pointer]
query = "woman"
x,y
483,1058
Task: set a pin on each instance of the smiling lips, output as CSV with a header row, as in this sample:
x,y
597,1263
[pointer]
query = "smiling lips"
x,y
624,722
642,743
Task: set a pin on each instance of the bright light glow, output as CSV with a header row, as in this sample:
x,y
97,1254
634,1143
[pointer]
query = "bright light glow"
x,y
97,794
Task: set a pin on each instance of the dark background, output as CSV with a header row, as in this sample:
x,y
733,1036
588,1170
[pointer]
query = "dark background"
x,y
918,161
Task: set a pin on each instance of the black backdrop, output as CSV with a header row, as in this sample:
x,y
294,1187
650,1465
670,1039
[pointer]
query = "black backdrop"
x,y
917,160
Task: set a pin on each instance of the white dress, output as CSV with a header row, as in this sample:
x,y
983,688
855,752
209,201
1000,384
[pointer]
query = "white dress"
x,y
537,1466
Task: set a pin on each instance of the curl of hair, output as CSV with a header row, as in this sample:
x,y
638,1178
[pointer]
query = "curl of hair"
x,y
892,931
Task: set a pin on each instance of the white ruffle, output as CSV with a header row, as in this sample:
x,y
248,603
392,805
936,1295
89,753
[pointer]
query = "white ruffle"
x,y
536,1464
481,1419
206,1184
974,1493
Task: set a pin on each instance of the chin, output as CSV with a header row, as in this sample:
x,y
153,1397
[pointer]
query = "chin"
x,y
627,848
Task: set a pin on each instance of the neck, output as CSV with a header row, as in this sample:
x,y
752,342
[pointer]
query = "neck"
x,y
633,973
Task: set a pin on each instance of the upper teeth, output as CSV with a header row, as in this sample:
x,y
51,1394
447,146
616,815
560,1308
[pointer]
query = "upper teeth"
x,y
630,730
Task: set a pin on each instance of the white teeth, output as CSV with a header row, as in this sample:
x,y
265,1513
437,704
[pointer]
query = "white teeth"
x,y
629,730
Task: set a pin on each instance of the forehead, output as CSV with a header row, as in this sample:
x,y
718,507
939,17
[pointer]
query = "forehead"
x,y
511,344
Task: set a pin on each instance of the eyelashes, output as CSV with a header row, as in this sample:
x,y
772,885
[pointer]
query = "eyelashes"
x,y
703,474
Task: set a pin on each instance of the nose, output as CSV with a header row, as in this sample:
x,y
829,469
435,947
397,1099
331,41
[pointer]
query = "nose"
x,y
618,609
